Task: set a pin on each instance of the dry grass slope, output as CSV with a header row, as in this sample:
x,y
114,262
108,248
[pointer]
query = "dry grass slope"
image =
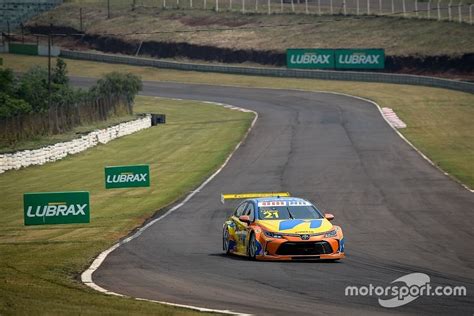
x,y
398,36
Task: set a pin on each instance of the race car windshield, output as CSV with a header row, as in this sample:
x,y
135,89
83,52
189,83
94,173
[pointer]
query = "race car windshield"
x,y
289,212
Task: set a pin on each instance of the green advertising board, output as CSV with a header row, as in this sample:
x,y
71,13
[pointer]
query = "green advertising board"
x,y
127,176
23,49
310,58
360,58
335,58
45,208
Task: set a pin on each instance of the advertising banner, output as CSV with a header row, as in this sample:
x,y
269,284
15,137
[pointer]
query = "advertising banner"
x,y
310,58
360,58
335,58
56,208
127,176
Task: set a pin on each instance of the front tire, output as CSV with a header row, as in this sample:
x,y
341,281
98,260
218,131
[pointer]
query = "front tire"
x,y
225,241
252,247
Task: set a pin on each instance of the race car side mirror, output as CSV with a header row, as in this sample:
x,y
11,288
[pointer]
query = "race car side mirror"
x,y
328,216
245,219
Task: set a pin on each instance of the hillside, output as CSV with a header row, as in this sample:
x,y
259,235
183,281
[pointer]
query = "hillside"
x,y
416,46
398,36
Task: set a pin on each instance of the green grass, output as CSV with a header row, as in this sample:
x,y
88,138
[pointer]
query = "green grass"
x,y
439,120
398,36
40,265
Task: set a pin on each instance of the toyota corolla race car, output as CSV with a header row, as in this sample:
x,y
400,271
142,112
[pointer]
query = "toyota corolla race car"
x,y
275,226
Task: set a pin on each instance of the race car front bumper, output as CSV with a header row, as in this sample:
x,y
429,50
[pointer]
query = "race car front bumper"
x,y
293,248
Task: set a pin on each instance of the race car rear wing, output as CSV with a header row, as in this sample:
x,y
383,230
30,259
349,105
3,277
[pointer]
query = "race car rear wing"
x,y
233,196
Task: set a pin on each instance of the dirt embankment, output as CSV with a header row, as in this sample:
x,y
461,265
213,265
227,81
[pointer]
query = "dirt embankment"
x,y
461,67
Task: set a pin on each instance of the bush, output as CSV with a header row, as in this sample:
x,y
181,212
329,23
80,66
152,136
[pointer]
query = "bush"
x,y
7,81
10,106
33,88
59,75
28,109
118,84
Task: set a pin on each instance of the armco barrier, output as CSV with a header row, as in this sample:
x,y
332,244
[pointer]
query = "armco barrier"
x,y
278,72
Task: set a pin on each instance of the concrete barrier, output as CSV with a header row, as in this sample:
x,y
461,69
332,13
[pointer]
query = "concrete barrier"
x,y
58,151
277,72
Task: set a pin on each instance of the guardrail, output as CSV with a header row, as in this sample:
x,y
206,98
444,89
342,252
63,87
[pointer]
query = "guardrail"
x,y
278,72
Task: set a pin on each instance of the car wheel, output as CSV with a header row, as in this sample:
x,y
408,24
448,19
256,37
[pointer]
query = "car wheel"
x,y
225,241
252,247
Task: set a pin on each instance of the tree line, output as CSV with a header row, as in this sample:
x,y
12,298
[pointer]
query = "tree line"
x,y
35,104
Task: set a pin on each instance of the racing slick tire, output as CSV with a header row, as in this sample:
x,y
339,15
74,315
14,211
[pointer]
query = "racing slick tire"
x,y
252,247
225,241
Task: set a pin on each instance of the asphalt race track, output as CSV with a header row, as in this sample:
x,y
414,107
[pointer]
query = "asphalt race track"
x,y
399,214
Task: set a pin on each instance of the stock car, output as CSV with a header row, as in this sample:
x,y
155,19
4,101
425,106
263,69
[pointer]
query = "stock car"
x,y
276,226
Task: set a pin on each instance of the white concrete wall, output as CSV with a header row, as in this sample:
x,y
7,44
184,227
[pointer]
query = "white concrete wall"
x,y
43,50
4,47
58,151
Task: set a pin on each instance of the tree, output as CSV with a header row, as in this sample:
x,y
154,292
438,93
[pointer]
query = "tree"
x,y
7,81
9,106
60,73
33,88
118,84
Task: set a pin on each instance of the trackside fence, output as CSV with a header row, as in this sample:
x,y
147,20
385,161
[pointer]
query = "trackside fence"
x,y
278,72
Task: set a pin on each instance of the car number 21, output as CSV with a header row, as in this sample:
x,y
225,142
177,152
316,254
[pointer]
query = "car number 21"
x,y
267,214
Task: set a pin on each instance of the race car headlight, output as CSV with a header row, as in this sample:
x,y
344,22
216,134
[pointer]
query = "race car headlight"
x,y
331,234
272,235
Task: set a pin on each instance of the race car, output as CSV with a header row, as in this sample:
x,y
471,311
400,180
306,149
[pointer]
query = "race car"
x,y
276,226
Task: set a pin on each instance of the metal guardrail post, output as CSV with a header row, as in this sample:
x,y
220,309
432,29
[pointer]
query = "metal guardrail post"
x,y
460,11
449,9
470,13
439,10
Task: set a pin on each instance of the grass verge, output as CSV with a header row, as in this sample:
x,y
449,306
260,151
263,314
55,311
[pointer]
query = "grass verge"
x,y
39,265
439,120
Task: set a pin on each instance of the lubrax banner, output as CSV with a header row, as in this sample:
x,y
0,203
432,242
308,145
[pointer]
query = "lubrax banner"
x,y
127,176
335,58
56,208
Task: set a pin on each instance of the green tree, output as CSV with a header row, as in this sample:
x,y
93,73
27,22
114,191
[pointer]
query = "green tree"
x,y
33,88
7,81
59,75
118,84
10,106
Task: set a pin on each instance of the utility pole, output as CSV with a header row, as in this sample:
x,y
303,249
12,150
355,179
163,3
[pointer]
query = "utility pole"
x,y
108,8
80,19
49,63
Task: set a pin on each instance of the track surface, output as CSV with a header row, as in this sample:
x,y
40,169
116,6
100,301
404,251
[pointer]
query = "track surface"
x,y
399,214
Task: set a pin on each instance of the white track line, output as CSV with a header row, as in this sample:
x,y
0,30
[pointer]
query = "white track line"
x,y
86,276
